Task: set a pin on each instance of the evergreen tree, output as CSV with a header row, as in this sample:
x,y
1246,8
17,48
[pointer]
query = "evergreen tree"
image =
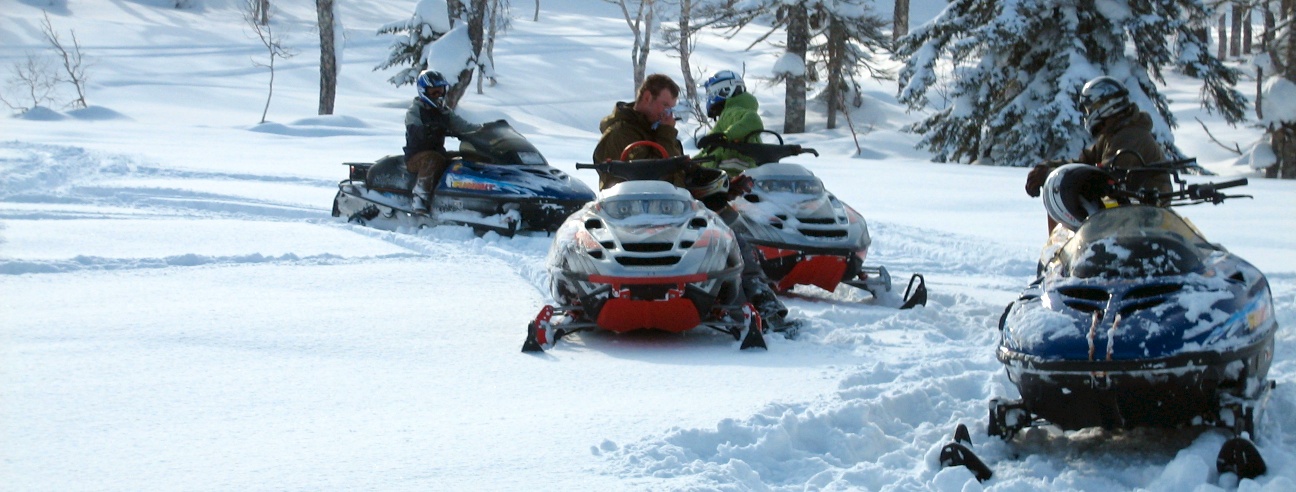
x,y
430,21
1017,67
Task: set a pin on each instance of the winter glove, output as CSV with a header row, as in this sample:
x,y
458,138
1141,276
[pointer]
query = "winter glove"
x,y
710,140
1035,180
739,185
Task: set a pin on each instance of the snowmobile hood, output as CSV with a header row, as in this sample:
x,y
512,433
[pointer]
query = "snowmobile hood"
x,y
1135,241
502,145
1111,298
788,207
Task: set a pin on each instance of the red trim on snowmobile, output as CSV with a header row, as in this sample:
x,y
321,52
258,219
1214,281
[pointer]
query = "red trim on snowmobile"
x,y
821,271
617,282
673,315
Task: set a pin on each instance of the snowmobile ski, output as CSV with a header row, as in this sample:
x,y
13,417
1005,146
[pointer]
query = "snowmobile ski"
x,y
959,453
1240,457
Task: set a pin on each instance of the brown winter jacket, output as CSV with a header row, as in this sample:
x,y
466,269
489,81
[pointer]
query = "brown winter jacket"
x,y
626,126
1131,134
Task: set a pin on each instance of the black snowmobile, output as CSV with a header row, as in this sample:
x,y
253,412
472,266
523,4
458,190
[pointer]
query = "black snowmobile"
x,y
1137,320
497,181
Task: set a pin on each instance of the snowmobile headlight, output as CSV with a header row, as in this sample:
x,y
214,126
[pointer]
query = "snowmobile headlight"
x,y
621,209
794,186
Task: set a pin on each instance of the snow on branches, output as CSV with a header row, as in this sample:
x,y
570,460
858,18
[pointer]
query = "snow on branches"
x,y
1014,70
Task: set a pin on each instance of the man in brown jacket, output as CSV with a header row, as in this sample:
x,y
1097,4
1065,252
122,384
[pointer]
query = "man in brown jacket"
x,y
1122,138
649,117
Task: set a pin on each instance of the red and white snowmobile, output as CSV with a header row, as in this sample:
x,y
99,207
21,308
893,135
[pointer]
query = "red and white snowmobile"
x,y
644,255
803,234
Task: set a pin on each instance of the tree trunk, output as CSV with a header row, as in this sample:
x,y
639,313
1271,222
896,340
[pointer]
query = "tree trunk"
x,y
328,56
1235,41
476,23
686,52
1282,136
900,20
492,28
643,44
1247,35
1222,52
836,59
798,41
262,11
1266,39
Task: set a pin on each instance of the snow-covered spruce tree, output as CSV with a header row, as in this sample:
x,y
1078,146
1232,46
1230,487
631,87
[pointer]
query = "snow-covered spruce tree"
x,y
1016,68
430,21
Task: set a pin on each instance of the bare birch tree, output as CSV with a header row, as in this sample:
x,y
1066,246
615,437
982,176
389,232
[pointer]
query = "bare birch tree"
x,y
273,44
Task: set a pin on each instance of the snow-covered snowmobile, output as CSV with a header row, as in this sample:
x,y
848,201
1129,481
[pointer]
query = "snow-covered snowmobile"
x,y
497,181
803,234
644,255
1137,320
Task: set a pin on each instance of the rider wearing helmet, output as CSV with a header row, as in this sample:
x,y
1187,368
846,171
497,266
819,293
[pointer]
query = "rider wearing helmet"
x,y
427,124
1122,138
737,120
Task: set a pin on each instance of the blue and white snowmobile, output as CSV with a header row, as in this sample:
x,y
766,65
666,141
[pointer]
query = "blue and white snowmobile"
x,y
644,255
497,181
1137,320
802,233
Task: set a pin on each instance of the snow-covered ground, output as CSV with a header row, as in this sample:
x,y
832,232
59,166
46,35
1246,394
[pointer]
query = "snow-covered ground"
x,y
178,310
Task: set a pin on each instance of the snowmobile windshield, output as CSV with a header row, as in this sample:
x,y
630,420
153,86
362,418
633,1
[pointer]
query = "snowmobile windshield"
x,y
1135,241
501,144
624,208
799,186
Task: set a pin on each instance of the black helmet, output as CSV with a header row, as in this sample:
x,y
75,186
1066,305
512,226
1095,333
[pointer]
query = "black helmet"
x,y
1073,192
432,88
1102,98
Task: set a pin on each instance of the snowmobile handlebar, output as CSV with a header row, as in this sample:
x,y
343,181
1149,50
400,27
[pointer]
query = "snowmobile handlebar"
x,y
645,169
762,153
1186,194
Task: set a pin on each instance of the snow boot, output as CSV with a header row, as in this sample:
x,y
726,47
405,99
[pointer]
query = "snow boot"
x,y
422,196
772,311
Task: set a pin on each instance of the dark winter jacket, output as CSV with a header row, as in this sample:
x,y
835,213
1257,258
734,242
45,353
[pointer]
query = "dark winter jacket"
x,y
426,128
626,126
738,121
1133,135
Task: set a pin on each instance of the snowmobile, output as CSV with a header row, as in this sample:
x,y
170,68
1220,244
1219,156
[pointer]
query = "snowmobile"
x,y
644,255
1137,320
497,181
802,233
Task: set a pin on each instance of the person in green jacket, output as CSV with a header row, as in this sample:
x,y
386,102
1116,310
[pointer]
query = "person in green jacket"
x,y
736,120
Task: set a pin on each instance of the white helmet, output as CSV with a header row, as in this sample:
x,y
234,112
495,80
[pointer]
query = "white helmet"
x,y
721,86
1102,98
1073,192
